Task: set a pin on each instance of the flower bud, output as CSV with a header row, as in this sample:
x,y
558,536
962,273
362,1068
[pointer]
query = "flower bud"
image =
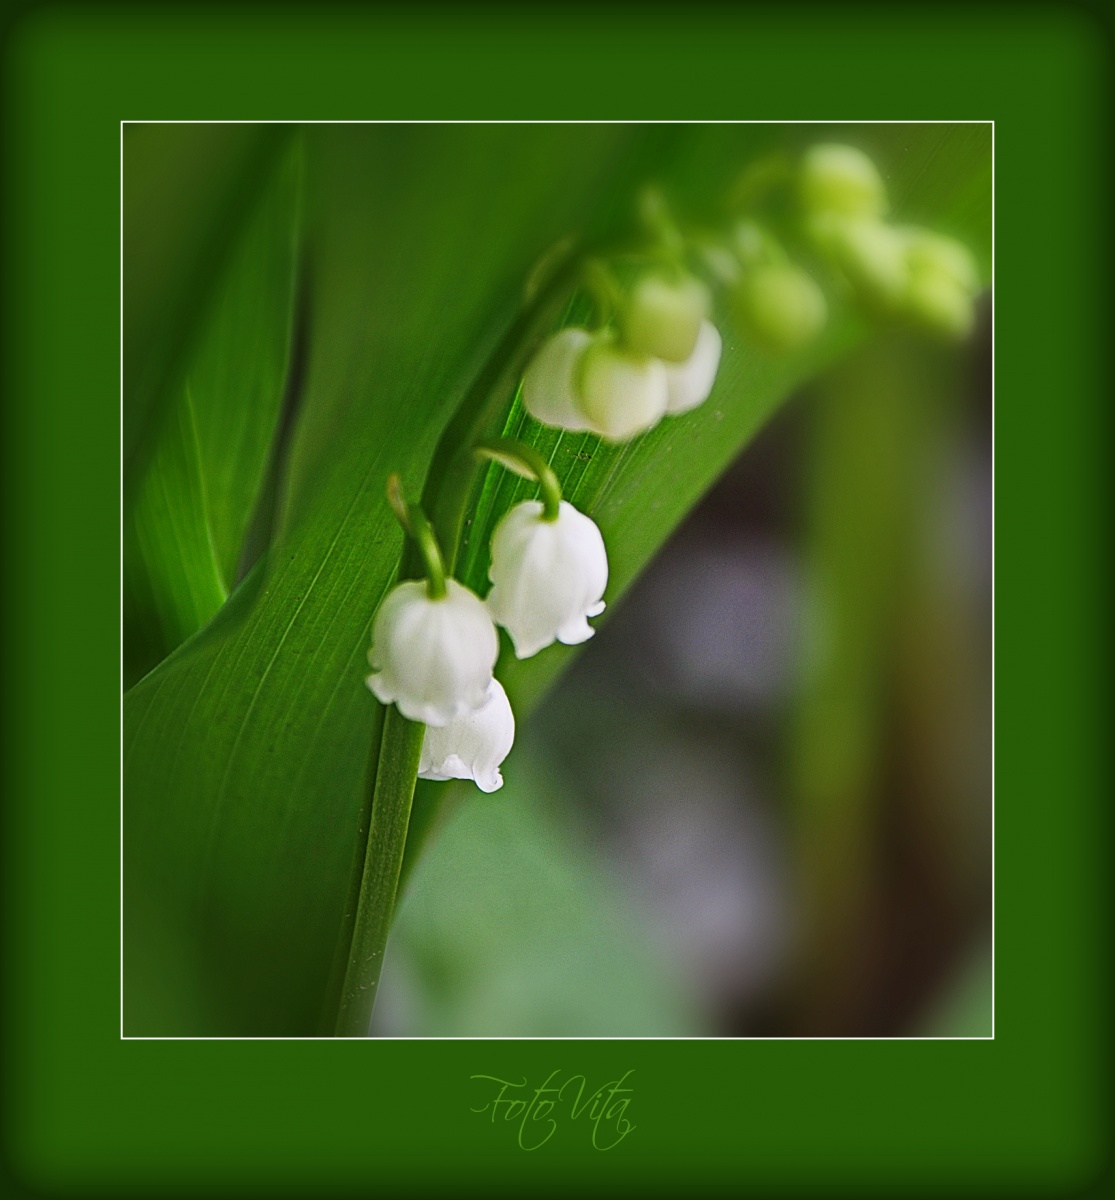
x,y
934,253
841,179
472,746
780,306
689,383
621,394
662,317
943,282
432,658
547,576
549,384
874,257
940,303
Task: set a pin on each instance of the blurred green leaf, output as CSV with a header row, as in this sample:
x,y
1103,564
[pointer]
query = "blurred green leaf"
x,y
247,751
185,532
513,928
188,190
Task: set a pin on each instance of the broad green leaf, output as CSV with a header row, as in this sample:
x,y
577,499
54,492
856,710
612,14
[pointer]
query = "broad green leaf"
x,y
247,752
188,190
185,531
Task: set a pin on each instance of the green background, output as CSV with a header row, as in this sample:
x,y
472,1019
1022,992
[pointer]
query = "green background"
x,y
87,1113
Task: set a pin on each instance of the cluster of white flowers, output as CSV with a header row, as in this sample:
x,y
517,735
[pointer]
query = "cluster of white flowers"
x,y
617,383
896,270
433,656
655,352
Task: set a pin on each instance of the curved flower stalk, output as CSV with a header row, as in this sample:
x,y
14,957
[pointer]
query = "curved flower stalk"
x,y
472,746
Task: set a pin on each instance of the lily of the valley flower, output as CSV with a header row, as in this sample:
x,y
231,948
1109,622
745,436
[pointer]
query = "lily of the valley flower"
x,y
433,658
472,746
550,382
621,393
548,577
583,381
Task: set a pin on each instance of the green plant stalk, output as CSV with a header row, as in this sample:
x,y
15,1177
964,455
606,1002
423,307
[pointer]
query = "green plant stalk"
x,y
449,482
383,859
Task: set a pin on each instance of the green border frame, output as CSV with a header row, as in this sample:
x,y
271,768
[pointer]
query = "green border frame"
x,y
1028,1113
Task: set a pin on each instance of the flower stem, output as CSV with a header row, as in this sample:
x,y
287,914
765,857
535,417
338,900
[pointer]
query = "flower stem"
x,y
425,542
606,294
525,461
419,530
396,775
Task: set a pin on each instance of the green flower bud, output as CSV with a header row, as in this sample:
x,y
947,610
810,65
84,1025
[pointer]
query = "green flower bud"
x,y
780,306
841,179
943,282
934,253
938,301
662,317
875,258
622,394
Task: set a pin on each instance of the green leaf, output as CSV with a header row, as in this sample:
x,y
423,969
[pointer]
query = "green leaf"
x,y
188,190
185,532
248,753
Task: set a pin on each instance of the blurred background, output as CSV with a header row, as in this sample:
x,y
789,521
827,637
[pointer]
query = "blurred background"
x,y
759,803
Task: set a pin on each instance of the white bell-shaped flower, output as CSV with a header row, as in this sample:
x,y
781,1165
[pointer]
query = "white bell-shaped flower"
x,y
550,381
432,658
621,393
688,384
548,577
472,746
